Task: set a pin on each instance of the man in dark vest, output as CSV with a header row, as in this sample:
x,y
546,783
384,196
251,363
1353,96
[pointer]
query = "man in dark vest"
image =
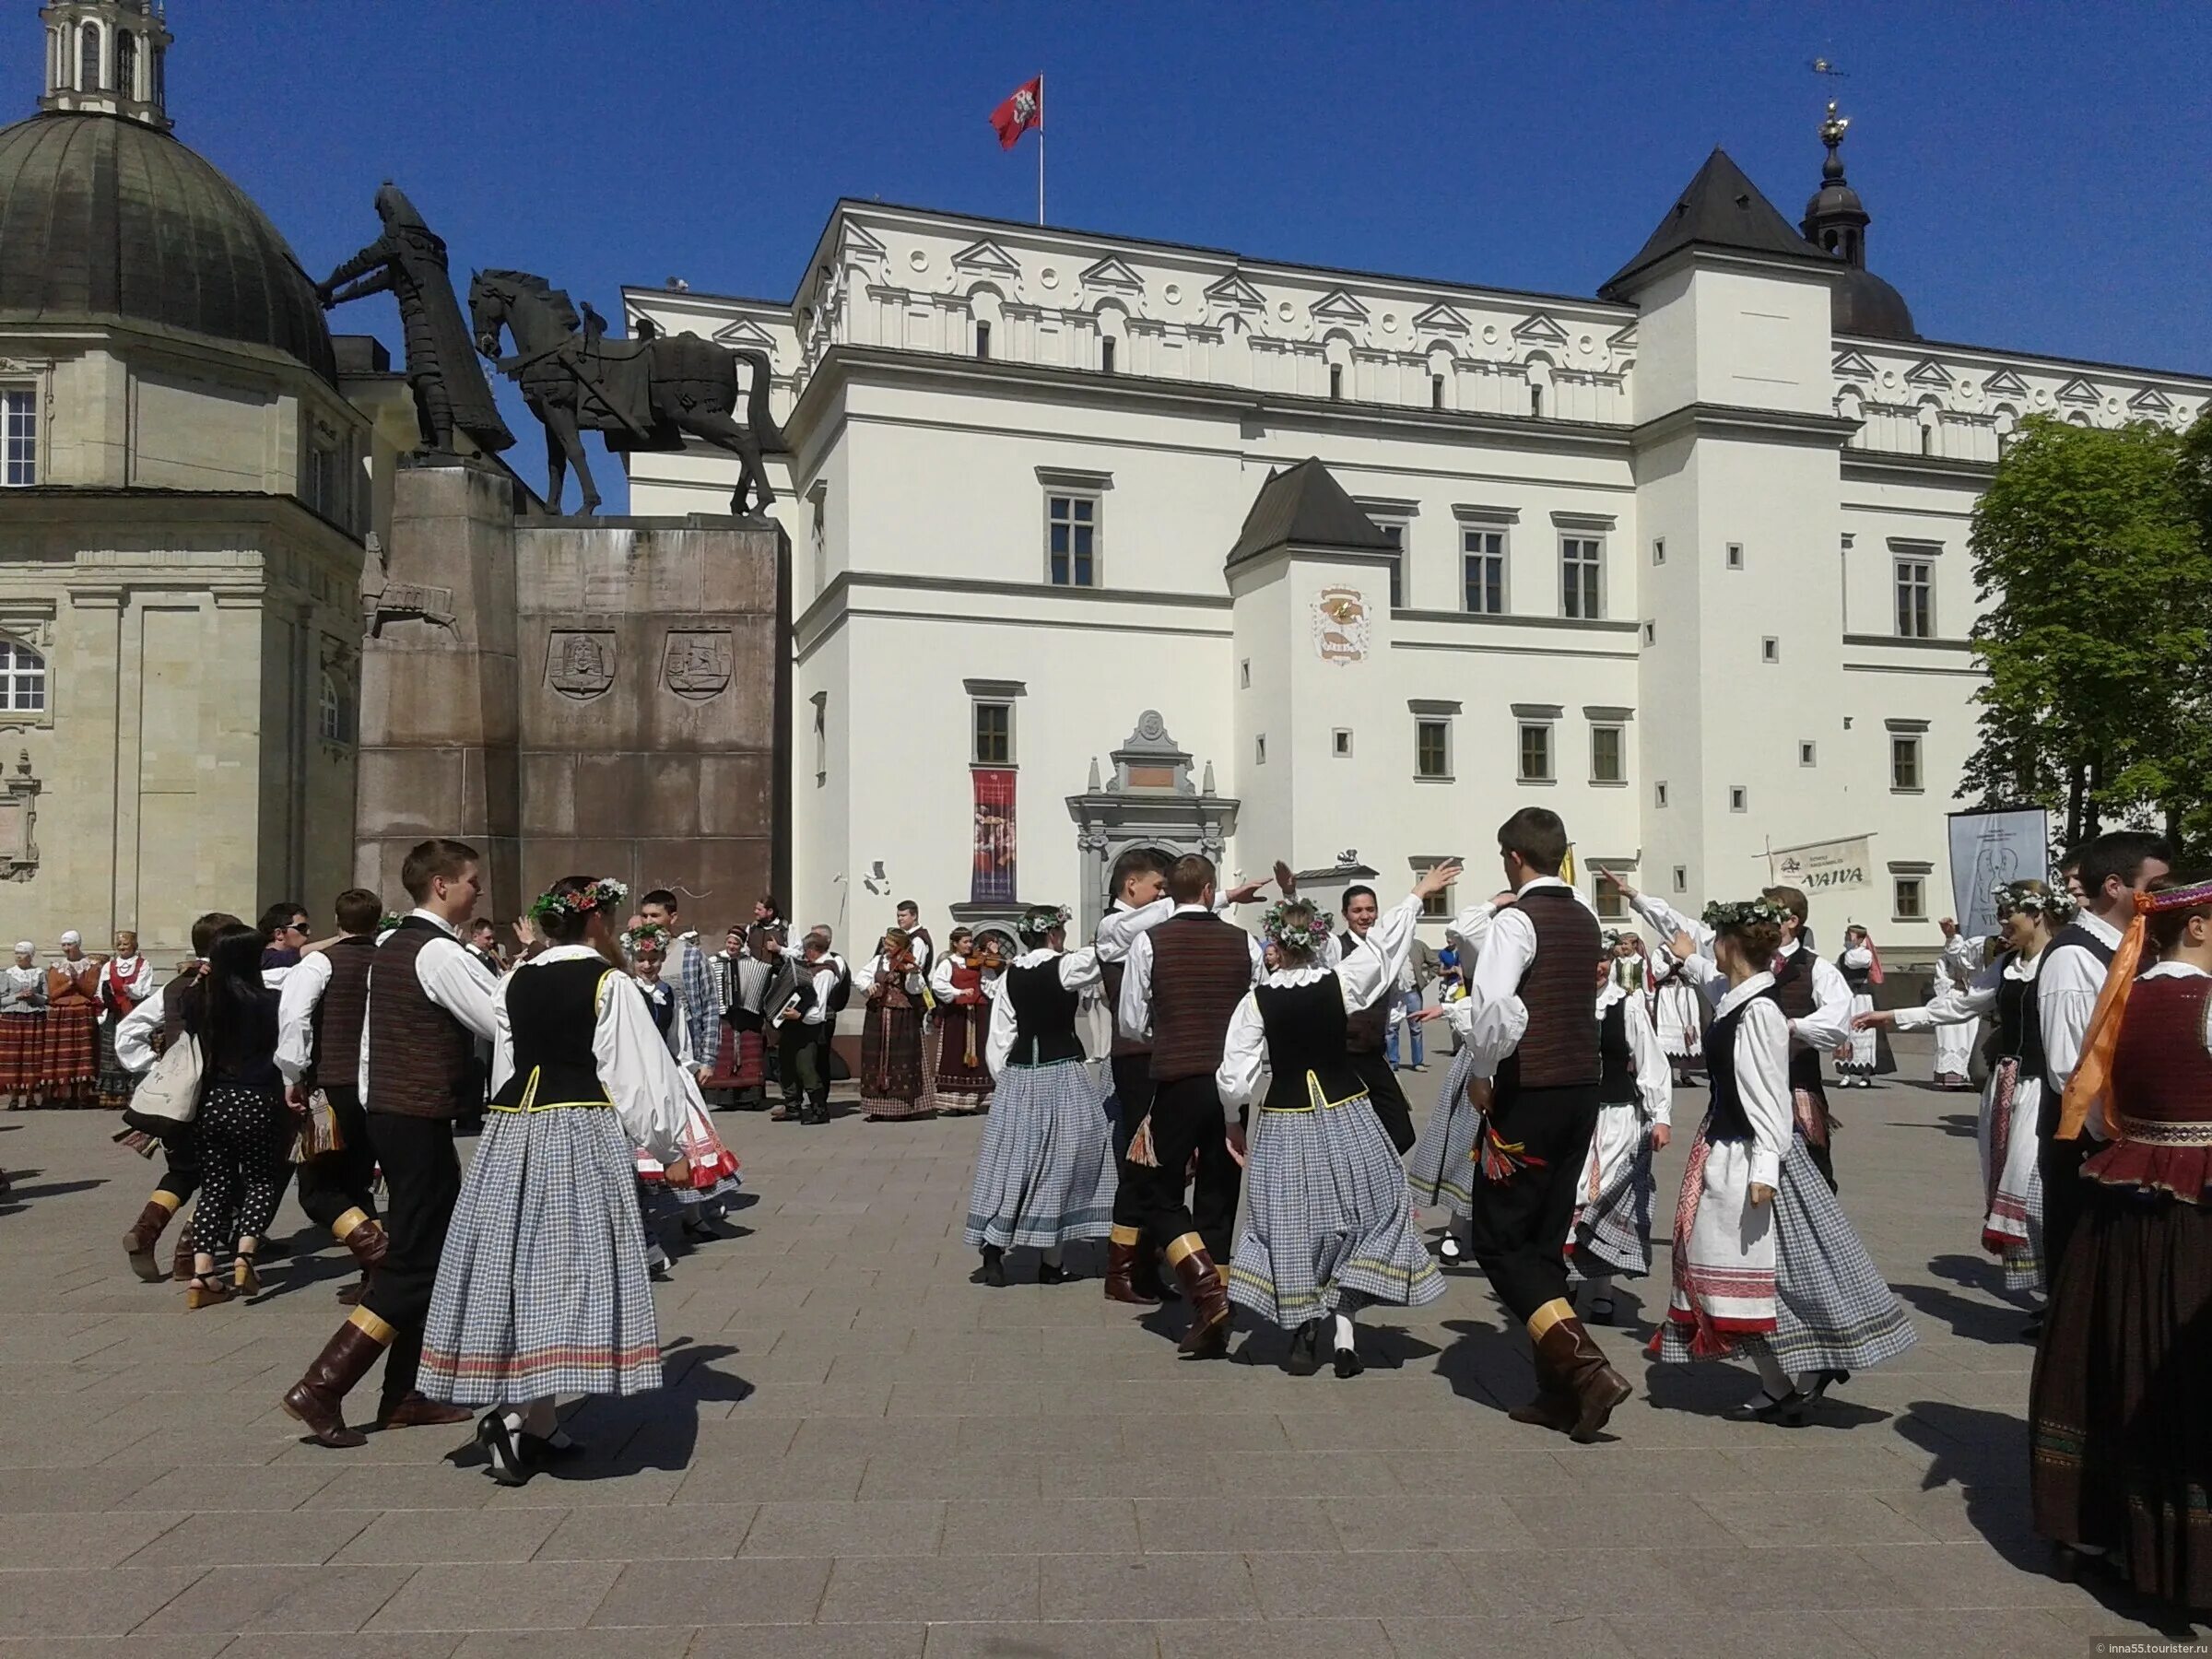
x,y
1140,878
319,1020
1367,1033
429,1002
1535,1040
1186,978
2114,869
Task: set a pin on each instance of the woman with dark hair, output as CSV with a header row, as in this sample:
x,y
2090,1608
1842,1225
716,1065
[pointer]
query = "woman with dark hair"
x,y
964,980
238,1127
1765,1263
542,1287
1865,1054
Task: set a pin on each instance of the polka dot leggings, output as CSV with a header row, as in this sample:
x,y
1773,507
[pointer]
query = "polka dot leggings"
x,y
240,1131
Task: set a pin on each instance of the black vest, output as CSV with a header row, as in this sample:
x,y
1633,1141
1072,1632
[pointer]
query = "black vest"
x,y
1617,1059
2048,1109
553,1011
1729,1120
1794,990
2019,1034
1044,1015
1306,1028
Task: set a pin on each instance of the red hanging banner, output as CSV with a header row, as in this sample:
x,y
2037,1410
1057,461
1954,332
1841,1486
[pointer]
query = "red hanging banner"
x,y
992,880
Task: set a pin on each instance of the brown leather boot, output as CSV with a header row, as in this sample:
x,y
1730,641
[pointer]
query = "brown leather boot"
x,y
1146,1280
1580,1365
362,1234
144,1233
1209,1336
1554,1407
412,1410
179,1267
318,1398
1120,1265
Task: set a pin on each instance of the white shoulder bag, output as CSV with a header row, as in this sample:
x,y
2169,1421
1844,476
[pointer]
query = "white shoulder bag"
x,y
171,1089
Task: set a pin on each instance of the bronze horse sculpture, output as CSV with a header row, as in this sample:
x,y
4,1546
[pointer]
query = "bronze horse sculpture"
x,y
642,393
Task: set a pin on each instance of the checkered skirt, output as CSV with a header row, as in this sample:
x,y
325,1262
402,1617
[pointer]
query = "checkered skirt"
x,y
1441,1168
542,1287
1613,1229
1834,1311
1044,1172
1327,1210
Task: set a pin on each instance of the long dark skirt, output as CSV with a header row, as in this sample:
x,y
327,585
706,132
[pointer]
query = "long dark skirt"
x,y
893,1081
959,1035
2120,1441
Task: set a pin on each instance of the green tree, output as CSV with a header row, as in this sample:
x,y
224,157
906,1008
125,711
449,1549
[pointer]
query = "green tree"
x,y
2092,546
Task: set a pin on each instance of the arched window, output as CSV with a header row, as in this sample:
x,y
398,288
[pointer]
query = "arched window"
x,y
126,64
87,58
22,677
336,710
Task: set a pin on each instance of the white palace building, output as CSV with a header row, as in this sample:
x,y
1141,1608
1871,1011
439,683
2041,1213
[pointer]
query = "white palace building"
x,y
1077,562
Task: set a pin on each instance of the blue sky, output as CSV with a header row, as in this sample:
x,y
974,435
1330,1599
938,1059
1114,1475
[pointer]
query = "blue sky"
x,y
2036,172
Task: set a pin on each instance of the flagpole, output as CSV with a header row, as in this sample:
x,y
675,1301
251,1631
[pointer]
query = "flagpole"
x,y
1040,150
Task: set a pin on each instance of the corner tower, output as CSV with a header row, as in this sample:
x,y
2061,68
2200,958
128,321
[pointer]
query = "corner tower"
x,y
106,57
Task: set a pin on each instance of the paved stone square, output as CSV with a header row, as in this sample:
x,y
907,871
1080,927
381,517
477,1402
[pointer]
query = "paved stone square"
x,y
863,1451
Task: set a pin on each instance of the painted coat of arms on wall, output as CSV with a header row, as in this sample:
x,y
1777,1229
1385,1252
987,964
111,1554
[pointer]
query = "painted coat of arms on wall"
x,y
580,664
1340,625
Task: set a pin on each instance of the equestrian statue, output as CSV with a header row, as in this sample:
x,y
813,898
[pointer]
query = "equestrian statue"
x,y
641,394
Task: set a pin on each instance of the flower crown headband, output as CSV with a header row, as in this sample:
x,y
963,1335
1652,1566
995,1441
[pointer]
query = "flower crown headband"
x,y
646,935
2016,896
1040,919
1306,935
606,893
1743,913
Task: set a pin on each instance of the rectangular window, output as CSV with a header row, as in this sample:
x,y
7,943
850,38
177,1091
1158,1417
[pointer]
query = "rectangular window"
x,y
22,678
1681,879
983,339
1915,599
822,737
1436,907
994,734
1911,898
1072,539
1659,550
1904,763
19,436
1396,535
1244,674
1482,557
1535,753
1612,904
1436,390
1739,798
1659,794
1259,749
1735,556
1609,764
1340,742
1432,748
1807,755
1581,566
1651,633
1336,380
1106,355
1769,650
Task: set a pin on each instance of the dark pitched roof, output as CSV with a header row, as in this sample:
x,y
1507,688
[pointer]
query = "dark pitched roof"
x,y
1306,506
1719,208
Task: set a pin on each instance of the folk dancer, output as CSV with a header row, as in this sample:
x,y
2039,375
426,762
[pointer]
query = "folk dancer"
x,y
1864,1054
1635,1097
142,1037
1045,1174
2119,1459
542,1287
742,976
1811,991
1676,1013
1137,902
804,1010
2114,868
69,1047
1955,968
126,981
2028,914
1440,1171
686,968
1185,977
320,1016
1531,1027
1328,1226
711,1166
1370,1033
430,1002
894,1084
1765,1263
22,1027
964,982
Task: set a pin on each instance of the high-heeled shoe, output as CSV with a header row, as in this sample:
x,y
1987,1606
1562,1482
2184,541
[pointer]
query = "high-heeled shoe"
x,y
243,1279
503,1459
206,1292
1305,1349
1349,1364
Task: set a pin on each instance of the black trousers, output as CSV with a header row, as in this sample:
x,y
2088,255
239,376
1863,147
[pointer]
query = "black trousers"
x,y
344,1180
422,1180
181,1179
1186,1118
1133,1088
794,1037
1391,1110
1518,1228
2066,1195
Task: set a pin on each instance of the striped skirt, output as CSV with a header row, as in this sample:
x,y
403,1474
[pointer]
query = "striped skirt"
x,y
542,1287
893,1081
1834,1311
1613,1229
1441,1168
1045,1174
69,1048
22,1047
2012,1183
1325,1211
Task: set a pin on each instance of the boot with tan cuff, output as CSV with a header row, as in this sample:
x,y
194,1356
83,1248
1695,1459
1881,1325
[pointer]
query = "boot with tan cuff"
x,y
1579,1368
145,1232
318,1399
1209,1336
1121,1249
363,1234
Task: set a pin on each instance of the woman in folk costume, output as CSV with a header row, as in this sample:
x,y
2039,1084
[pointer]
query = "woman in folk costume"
x,y
964,980
713,1170
1765,1263
125,981
69,1047
1439,1171
1328,1220
2120,1444
2029,915
1865,1054
742,977
1613,1230
22,1027
718,1066
894,1083
1676,1013
1045,1174
1955,969
542,1289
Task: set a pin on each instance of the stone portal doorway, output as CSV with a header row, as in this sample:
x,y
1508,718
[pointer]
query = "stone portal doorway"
x,y
1152,802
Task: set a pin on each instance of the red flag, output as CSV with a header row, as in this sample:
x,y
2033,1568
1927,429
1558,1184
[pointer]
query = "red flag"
x,y
1023,111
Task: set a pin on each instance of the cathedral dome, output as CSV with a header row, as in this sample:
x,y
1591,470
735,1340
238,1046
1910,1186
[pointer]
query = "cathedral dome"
x,y
103,217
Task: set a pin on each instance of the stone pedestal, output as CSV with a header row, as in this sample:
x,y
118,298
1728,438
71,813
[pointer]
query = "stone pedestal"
x,y
601,697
